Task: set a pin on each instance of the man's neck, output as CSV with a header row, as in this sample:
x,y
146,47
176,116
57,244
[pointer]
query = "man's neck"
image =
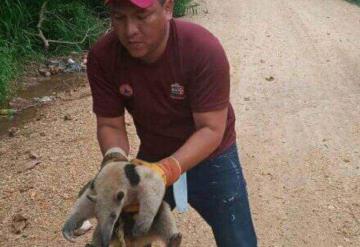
x,y
156,54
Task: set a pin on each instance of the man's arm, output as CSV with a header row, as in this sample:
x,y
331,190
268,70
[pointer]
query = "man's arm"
x,y
208,92
210,128
111,132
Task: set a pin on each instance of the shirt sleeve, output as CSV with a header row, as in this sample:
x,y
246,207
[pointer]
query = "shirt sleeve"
x,y
209,87
107,101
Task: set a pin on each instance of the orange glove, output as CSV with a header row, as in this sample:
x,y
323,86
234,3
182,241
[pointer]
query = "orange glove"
x,y
169,169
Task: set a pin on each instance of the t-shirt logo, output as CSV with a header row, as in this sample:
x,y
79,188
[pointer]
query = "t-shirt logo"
x,y
177,91
126,90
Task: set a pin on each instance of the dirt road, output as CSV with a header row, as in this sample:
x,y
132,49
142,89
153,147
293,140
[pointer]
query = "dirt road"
x,y
296,91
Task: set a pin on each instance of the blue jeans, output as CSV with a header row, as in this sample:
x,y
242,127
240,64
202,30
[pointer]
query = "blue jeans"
x,y
217,191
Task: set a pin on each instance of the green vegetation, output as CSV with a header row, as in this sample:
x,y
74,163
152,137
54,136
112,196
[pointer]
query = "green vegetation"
x,y
68,25
354,1
182,6
8,69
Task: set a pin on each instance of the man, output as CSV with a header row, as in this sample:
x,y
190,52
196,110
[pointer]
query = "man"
x,y
173,78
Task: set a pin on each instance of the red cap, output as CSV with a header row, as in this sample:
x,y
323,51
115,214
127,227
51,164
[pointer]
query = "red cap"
x,y
139,3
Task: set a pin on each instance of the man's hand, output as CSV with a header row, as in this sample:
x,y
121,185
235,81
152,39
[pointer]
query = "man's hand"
x,y
168,169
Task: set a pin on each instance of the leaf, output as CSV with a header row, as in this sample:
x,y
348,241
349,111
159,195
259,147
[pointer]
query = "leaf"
x,y
270,78
7,112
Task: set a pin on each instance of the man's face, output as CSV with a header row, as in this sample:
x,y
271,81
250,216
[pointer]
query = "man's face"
x,y
141,31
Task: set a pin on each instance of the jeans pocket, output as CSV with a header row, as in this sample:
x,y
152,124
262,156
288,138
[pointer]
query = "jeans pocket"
x,y
225,181
226,167
218,177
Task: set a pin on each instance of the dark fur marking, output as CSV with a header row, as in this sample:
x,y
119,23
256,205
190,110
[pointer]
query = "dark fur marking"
x,y
120,196
84,188
113,215
92,185
90,198
132,174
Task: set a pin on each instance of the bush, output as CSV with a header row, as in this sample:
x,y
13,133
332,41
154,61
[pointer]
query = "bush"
x,y
354,1
73,21
65,21
79,23
180,7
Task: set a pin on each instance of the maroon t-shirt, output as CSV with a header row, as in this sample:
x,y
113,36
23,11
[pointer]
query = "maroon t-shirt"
x,y
192,75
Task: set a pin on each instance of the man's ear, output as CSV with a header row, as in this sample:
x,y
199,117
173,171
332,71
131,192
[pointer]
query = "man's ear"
x,y
168,8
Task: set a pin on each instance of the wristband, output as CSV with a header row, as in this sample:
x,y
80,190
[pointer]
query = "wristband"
x,y
114,154
172,169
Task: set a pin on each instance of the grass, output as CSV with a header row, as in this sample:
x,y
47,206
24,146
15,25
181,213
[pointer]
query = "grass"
x,y
8,70
65,20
